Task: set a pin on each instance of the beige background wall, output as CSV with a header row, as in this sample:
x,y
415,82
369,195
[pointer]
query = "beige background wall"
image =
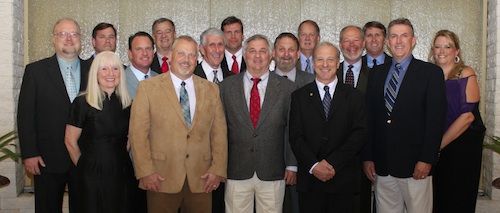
x,y
268,17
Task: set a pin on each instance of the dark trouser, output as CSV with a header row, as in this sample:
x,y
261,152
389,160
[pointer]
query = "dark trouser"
x,y
49,191
363,200
318,201
291,201
218,205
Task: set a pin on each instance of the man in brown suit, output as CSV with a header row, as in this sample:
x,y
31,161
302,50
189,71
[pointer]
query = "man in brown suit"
x,y
178,135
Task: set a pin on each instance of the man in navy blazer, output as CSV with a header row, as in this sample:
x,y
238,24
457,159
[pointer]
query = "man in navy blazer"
x,y
43,109
327,131
256,104
406,108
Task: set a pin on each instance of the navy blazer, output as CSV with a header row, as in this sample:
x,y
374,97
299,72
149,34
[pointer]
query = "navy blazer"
x,y
415,128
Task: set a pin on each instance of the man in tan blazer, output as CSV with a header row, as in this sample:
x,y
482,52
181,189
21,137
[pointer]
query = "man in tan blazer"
x,y
179,150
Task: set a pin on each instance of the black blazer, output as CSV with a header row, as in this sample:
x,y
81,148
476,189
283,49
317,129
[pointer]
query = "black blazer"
x,y
199,72
155,66
43,113
225,66
414,130
338,140
362,79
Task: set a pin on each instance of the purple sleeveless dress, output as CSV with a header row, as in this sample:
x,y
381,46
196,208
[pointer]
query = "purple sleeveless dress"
x,y
456,176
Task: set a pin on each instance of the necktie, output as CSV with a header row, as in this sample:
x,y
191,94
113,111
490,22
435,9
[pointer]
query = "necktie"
x,y
70,84
255,102
215,80
308,66
184,100
284,76
164,65
390,91
146,77
349,76
374,62
235,68
327,100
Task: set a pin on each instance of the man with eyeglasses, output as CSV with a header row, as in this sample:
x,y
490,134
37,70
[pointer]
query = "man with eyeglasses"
x,y
48,88
163,36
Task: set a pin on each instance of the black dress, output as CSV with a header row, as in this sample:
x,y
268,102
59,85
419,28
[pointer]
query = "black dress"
x,y
105,174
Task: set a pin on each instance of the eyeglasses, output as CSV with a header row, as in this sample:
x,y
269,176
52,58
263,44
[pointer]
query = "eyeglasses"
x,y
66,34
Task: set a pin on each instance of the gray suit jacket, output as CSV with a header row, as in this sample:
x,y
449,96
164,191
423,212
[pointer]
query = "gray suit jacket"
x,y
261,149
302,78
132,81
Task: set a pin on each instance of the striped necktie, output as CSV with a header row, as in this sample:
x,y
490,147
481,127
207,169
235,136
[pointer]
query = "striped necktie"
x,y
392,88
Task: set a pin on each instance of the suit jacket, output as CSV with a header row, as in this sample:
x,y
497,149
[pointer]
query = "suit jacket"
x,y
302,78
155,66
162,143
337,139
43,113
362,78
260,149
199,72
132,81
414,130
387,59
225,66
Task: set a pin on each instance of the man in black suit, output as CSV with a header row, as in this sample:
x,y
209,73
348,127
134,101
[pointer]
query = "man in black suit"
x,y
375,34
49,86
212,45
163,32
354,72
406,108
309,35
103,39
233,31
327,131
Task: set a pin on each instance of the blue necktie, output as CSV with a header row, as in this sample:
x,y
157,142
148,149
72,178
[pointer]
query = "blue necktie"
x,y
70,84
184,100
391,90
327,100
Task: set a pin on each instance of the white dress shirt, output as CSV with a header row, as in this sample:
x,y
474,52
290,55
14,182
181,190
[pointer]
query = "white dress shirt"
x,y
190,90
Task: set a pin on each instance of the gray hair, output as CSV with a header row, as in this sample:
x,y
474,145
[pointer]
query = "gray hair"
x,y
257,37
212,32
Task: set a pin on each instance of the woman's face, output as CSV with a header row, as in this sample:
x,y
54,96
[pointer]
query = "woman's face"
x,y
444,54
108,77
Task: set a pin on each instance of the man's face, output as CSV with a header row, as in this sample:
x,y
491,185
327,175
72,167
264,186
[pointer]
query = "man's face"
x,y
374,41
141,54
213,51
105,40
351,44
401,41
308,37
286,54
66,39
184,59
163,35
257,57
326,63
234,36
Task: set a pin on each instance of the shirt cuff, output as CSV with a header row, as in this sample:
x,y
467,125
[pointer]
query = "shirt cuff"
x,y
291,168
312,167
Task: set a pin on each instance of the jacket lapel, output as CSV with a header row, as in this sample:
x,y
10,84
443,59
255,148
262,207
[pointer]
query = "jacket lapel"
x,y
315,99
168,88
54,73
199,88
238,99
272,92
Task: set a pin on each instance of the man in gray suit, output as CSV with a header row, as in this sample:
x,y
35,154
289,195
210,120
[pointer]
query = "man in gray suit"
x,y
286,53
140,54
256,105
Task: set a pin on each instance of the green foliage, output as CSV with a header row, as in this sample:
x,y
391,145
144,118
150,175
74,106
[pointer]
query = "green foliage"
x,y
6,141
494,145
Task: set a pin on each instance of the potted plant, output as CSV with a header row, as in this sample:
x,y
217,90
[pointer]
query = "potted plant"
x,y
495,147
6,141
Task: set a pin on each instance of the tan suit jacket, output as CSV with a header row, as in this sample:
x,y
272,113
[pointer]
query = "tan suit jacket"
x,y
162,143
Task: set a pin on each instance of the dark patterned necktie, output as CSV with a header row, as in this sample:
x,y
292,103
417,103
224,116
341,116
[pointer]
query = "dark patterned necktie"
x,y
349,76
327,100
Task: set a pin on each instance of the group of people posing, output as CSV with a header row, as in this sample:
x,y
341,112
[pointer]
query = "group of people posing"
x,y
170,133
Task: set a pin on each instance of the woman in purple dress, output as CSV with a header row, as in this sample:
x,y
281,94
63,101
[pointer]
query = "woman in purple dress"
x,y
456,176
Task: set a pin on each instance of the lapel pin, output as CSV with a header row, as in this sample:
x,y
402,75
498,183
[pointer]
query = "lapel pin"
x,y
311,94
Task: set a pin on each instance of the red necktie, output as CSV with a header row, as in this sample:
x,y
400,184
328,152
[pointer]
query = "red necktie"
x,y
164,65
255,102
234,68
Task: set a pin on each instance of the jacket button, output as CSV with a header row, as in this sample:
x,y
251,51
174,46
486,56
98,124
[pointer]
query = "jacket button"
x,y
389,121
187,156
254,135
188,136
252,149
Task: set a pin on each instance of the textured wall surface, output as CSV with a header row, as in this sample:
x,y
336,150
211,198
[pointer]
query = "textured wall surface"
x,y
259,16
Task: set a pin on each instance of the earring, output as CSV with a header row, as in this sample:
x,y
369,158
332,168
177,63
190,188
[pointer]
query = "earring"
x,y
457,59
